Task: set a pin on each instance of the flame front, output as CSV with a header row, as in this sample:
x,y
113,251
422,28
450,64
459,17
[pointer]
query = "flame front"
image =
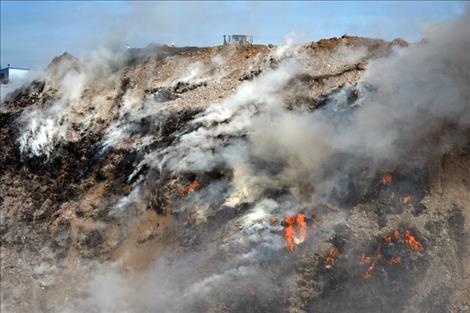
x,y
295,230
289,232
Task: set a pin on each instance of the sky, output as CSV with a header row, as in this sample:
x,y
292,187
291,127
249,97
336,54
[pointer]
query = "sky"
x,y
33,32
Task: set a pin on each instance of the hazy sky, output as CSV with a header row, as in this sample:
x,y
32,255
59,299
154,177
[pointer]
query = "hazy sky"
x,y
32,33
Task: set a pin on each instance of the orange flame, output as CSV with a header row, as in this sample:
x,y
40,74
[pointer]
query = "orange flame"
x,y
330,259
411,242
188,188
302,226
387,179
295,230
289,232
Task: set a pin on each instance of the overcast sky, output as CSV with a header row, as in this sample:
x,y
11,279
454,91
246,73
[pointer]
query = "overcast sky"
x,y
32,33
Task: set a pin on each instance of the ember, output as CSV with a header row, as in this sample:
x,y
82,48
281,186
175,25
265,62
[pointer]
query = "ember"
x,y
289,232
365,259
331,258
371,261
387,179
396,234
394,260
370,271
188,188
411,242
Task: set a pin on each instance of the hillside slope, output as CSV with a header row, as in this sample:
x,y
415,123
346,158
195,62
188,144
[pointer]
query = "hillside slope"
x,y
310,178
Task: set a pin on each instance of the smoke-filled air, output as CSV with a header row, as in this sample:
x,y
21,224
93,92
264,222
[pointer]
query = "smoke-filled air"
x,y
327,176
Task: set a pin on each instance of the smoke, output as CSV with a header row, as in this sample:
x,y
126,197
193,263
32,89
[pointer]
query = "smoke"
x,y
68,79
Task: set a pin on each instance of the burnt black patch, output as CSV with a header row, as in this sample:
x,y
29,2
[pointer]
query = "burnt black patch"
x,y
182,87
162,94
250,75
177,121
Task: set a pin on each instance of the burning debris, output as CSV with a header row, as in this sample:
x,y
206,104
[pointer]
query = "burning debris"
x,y
330,259
190,187
391,246
411,242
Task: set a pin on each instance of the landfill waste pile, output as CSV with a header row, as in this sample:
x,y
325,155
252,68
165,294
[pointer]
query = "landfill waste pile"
x,y
331,176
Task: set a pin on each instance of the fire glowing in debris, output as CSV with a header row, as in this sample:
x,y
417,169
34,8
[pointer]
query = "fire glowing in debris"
x,y
396,234
331,258
371,261
188,188
387,179
411,242
405,199
295,230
